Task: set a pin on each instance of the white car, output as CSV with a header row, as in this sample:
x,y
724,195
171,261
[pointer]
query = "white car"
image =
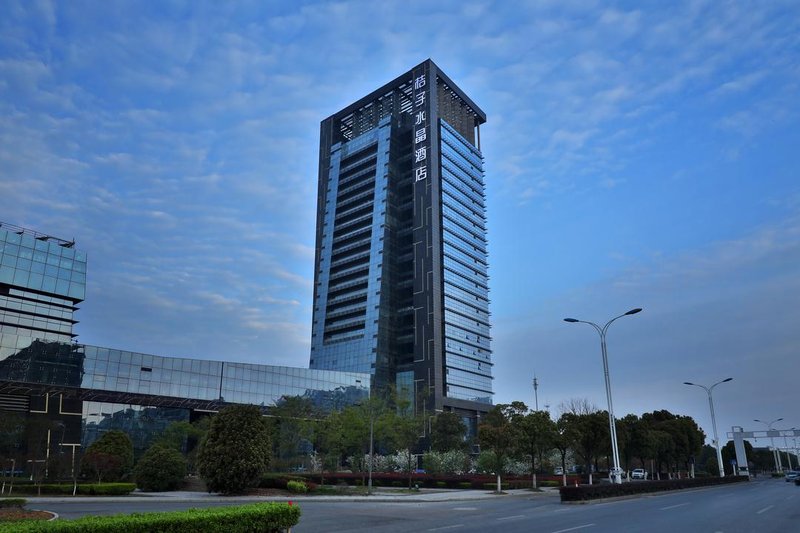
x,y
639,473
791,475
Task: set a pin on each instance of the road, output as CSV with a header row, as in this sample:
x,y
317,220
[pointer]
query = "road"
x,y
762,505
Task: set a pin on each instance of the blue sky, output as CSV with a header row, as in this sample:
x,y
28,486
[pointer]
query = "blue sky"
x,y
637,155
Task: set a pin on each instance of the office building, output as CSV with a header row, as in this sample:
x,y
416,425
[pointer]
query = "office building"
x,y
76,391
401,284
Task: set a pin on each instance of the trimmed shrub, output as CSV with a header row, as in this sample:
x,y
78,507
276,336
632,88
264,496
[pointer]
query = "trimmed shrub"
x,y
609,490
109,458
236,451
267,517
298,487
160,469
465,485
441,484
6,503
84,489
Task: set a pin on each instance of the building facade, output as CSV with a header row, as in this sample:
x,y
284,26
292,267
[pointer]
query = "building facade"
x,y
401,282
70,393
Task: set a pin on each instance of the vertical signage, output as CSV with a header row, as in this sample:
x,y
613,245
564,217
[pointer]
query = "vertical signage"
x,y
421,116
423,172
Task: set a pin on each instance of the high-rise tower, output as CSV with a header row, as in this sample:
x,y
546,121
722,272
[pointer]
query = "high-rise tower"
x,y
401,285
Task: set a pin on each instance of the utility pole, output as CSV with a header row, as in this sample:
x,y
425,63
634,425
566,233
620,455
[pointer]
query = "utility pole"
x,y
535,391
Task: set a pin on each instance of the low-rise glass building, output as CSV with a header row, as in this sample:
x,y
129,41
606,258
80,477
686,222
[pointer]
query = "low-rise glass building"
x,y
77,391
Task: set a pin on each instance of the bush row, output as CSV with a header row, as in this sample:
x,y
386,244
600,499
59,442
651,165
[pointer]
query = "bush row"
x,y
396,479
608,490
282,481
12,502
266,517
85,489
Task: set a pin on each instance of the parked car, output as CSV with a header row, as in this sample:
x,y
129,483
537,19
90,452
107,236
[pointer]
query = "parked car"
x,y
558,471
639,473
792,475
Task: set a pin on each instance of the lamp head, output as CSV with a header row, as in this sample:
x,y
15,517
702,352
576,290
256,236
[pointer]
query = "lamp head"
x,y
571,320
634,311
687,383
726,380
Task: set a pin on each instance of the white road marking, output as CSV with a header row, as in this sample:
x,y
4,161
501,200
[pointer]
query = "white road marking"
x,y
446,527
512,517
673,506
465,508
573,528
765,509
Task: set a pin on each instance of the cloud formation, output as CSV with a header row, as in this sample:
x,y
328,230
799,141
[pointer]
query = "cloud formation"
x,y
634,157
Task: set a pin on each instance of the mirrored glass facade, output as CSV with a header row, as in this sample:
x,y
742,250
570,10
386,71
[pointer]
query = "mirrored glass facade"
x,y
77,391
401,278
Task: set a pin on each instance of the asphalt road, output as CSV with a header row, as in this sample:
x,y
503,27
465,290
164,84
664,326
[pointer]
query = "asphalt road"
x,y
761,506
757,506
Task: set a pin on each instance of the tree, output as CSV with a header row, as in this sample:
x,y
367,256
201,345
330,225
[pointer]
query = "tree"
x,y
498,436
729,456
562,439
590,435
185,437
292,428
447,432
535,430
406,426
160,469
236,450
110,457
326,438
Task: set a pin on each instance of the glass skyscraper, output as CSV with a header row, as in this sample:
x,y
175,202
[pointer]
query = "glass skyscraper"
x,y
401,284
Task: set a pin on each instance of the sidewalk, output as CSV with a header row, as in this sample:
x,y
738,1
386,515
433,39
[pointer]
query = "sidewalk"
x,y
379,495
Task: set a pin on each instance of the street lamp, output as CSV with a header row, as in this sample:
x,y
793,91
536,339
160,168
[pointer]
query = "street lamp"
x,y
775,456
617,478
713,420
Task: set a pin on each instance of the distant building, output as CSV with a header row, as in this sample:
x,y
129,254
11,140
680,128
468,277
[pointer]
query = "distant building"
x,y
78,391
401,283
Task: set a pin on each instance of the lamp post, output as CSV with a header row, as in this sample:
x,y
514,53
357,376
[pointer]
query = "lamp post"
x,y
616,477
775,456
713,420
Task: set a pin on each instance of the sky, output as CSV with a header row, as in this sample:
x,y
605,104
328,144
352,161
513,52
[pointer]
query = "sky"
x,y
638,154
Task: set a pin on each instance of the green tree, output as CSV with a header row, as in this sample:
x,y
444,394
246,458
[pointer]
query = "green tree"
x,y
326,438
535,430
729,454
590,436
448,432
236,451
110,457
292,428
499,437
405,427
160,469
185,437
562,440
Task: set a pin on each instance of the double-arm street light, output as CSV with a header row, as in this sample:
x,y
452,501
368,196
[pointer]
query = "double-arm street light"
x,y
616,474
713,420
775,455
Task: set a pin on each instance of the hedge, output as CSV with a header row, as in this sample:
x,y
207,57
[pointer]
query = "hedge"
x,y
390,479
84,489
281,481
298,487
609,490
12,502
257,517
